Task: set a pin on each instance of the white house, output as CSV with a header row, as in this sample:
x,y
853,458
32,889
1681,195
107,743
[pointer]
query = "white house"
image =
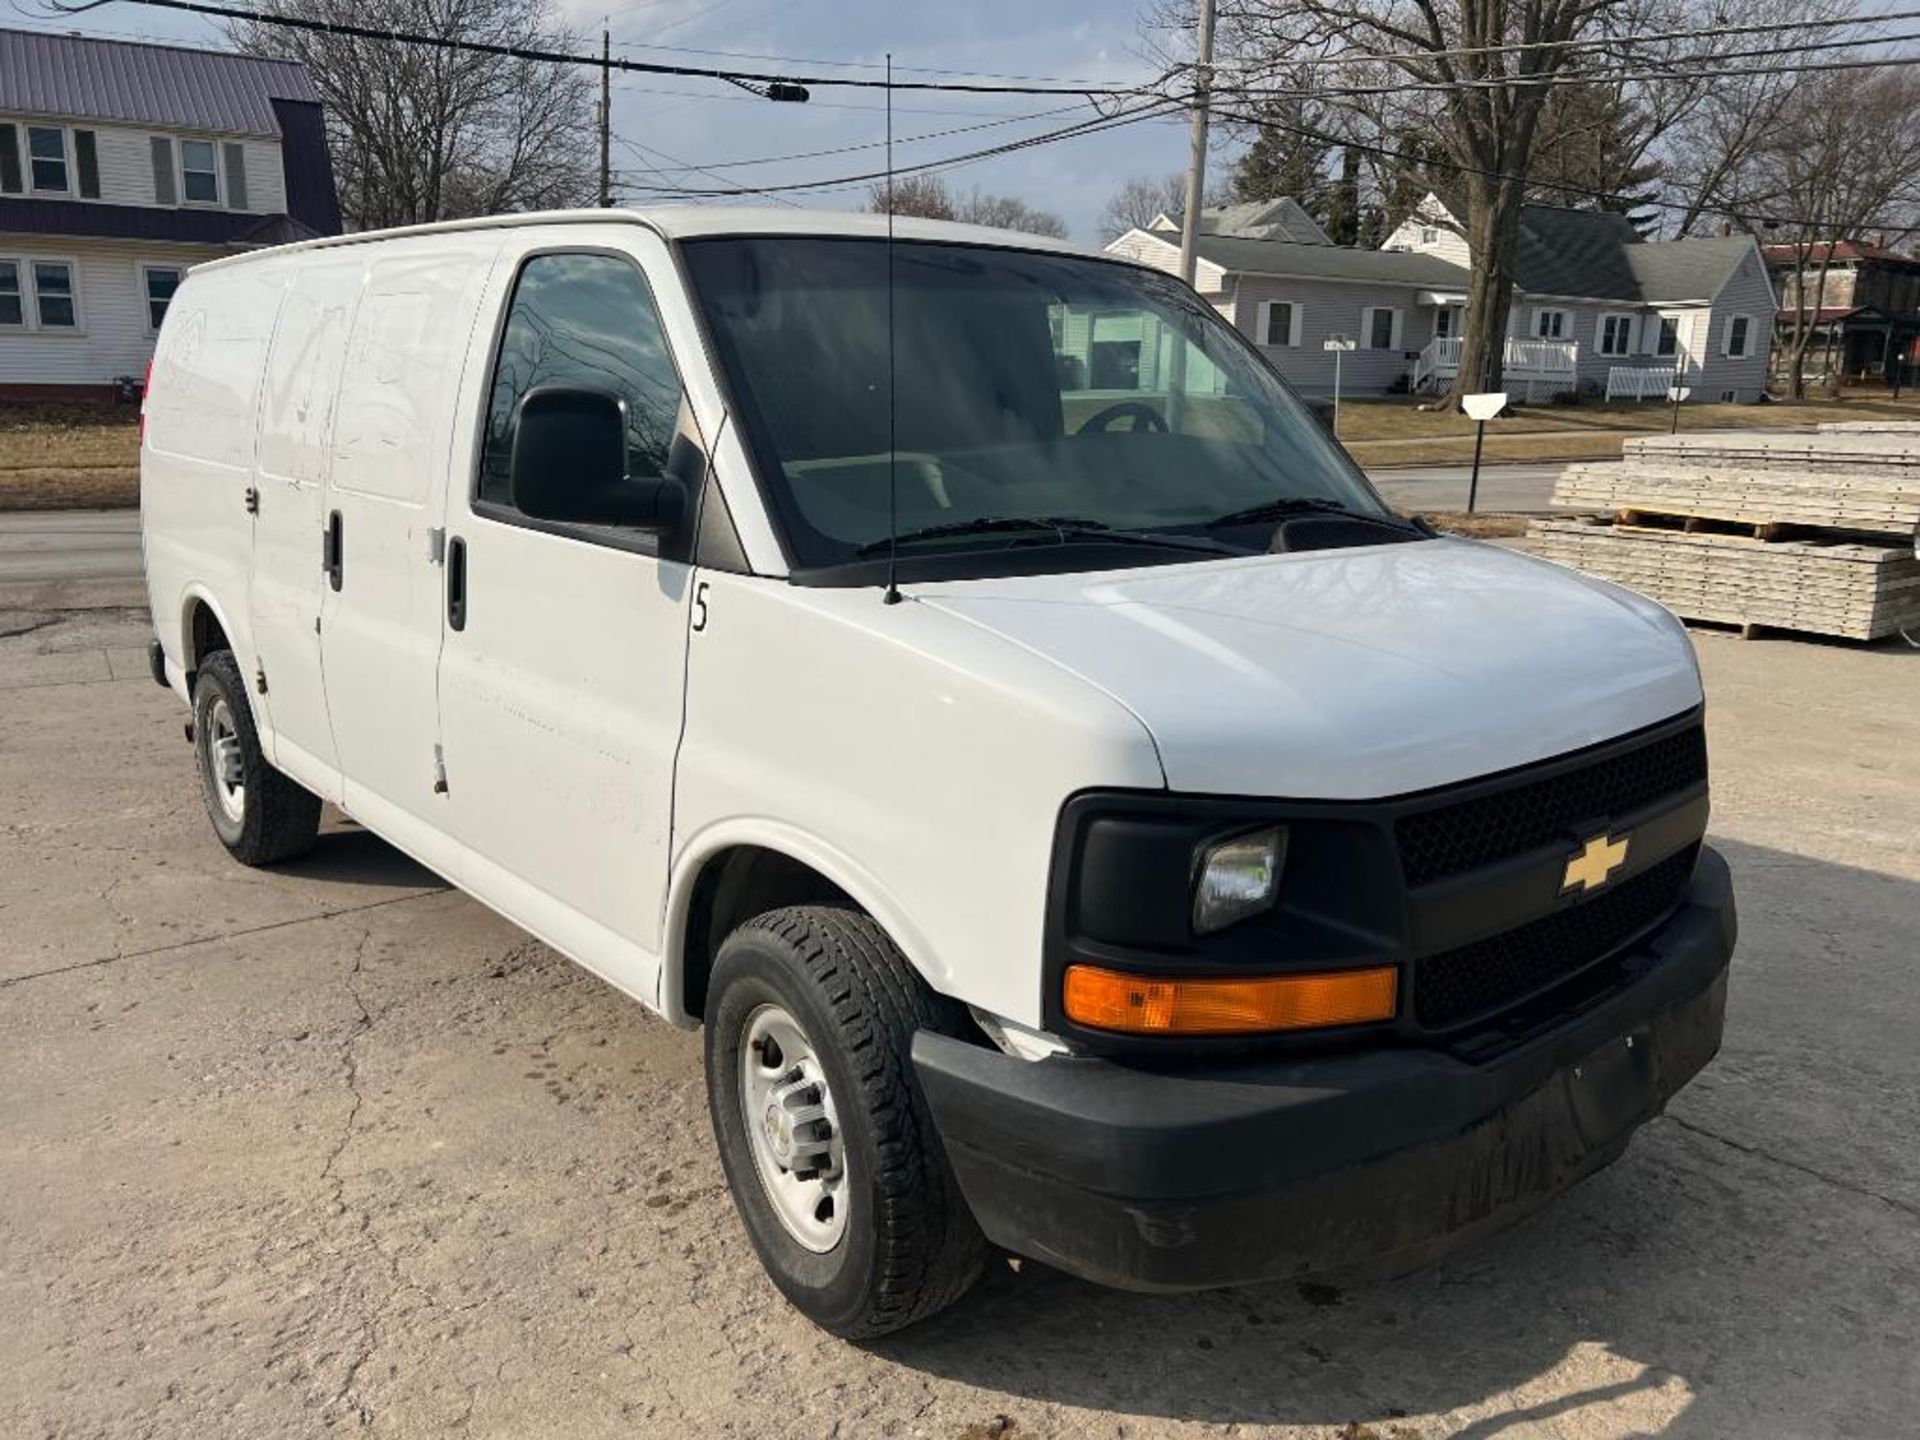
x,y
1595,311
120,166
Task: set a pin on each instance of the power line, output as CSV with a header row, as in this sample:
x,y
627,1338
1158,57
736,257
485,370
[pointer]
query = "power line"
x,y
1077,81
1583,42
562,57
1156,108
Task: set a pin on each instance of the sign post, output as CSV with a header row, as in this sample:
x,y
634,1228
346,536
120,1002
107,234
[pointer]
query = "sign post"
x,y
1480,409
1339,345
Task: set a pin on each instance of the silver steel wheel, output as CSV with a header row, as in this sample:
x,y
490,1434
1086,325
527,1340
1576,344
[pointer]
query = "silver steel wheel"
x,y
793,1129
224,769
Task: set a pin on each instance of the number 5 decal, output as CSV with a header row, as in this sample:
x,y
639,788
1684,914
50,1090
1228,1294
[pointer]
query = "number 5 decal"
x,y
699,607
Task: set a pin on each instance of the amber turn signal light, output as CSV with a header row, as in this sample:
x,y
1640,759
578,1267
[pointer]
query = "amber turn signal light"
x,y
1143,1005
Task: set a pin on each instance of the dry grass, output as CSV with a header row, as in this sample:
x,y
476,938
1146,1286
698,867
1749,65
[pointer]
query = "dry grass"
x,y
1511,449
1478,526
68,457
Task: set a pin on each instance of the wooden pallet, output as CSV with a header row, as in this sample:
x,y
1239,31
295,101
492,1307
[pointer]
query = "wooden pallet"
x,y
1870,427
1828,587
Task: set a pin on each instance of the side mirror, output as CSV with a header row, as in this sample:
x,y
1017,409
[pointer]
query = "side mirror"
x,y
569,463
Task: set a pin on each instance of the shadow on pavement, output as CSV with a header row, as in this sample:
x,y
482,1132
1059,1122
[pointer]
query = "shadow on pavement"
x,y
1751,1266
347,855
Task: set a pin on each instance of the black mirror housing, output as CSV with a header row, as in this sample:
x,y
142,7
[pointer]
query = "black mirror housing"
x,y
569,464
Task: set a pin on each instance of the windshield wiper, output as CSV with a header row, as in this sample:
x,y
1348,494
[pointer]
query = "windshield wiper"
x,y
1286,509
1066,528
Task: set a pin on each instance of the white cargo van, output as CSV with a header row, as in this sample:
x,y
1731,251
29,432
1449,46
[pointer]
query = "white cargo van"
x,y
958,673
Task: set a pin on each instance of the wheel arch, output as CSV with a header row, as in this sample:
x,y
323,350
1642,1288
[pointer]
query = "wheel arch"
x,y
204,623
732,872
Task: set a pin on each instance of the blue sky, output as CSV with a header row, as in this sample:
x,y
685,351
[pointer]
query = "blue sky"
x,y
665,123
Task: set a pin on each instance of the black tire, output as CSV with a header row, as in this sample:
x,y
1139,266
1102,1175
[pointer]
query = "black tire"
x,y
910,1246
278,819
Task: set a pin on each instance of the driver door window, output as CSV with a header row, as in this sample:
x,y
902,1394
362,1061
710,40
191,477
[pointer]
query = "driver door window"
x,y
587,321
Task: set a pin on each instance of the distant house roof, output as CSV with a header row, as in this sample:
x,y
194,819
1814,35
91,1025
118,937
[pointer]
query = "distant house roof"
x,y
1330,262
73,75
1278,219
1843,252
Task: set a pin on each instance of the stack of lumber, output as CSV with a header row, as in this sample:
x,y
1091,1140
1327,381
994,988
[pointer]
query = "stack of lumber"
x,y
1871,427
1831,587
1800,531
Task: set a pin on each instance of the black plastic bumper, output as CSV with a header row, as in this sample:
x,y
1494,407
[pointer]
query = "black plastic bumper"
x,y
1382,1159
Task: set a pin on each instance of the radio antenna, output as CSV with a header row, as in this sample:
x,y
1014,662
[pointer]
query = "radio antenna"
x,y
892,596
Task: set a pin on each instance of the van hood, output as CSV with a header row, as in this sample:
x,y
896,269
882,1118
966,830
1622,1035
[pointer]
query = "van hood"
x,y
1354,673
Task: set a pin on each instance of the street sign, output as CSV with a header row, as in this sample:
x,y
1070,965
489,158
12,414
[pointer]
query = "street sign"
x,y
1678,393
1484,407
1340,342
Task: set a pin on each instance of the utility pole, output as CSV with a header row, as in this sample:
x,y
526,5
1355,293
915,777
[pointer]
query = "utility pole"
x,y
606,117
1197,153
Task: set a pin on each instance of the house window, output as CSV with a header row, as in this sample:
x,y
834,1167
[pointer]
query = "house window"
x,y
53,299
1616,334
1669,342
160,282
1550,324
199,172
47,158
13,305
1429,235
1279,329
1381,325
1739,336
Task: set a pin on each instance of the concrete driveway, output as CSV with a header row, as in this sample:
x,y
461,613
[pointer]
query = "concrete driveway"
x,y
330,1148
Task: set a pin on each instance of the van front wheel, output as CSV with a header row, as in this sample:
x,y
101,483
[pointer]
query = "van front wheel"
x,y
259,814
829,1150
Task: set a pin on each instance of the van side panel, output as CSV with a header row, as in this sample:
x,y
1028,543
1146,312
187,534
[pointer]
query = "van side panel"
x,y
297,403
380,631
197,459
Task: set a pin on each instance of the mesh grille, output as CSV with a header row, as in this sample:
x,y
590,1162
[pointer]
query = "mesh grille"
x,y
1464,836
1503,970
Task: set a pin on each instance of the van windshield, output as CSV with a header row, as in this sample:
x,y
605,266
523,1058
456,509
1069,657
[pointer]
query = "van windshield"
x,y
1091,395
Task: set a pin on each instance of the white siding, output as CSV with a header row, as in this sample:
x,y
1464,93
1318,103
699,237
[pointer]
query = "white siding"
x,y
126,166
113,338
1748,291
1335,308
1447,242
1163,253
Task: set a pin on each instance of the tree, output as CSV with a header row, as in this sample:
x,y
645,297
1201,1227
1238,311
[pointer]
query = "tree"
x,y
1288,155
420,133
924,195
1592,151
927,196
1439,63
1138,202
1842,159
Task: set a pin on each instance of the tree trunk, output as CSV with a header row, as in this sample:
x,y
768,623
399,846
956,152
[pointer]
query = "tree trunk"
x,y
1492,225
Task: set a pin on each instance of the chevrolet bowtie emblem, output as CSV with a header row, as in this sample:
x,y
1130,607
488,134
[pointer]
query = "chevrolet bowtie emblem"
x,y
1593,864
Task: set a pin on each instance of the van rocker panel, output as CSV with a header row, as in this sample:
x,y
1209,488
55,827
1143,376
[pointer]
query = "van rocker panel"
x,y
1178,1178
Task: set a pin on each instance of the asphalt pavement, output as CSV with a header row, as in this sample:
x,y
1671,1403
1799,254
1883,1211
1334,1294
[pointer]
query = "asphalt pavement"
x,y
331,1148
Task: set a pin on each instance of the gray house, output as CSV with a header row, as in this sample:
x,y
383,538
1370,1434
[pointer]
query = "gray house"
x,y
1595,311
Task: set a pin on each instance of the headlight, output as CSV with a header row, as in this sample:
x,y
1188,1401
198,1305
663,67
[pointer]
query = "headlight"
x,y
1238,878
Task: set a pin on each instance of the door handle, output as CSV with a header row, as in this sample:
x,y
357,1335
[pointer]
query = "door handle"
x,y
457,583
332,550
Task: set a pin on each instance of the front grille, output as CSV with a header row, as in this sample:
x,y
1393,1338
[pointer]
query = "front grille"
x,y
1449,839
1502,970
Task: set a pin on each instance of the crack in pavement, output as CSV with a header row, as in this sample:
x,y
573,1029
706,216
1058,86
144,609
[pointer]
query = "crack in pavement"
x,y
9,981
1756,1152
30,627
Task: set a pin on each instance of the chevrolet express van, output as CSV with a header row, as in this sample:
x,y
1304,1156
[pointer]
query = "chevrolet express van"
x,y
956,672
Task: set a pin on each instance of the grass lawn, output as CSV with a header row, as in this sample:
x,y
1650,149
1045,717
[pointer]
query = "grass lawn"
x,y
68,457
1395,432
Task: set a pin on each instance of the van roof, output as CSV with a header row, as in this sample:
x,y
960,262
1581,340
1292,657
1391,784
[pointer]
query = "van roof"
x,y
684,222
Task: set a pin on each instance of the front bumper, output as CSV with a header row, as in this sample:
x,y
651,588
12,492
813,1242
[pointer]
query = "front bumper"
x,y
1156,1179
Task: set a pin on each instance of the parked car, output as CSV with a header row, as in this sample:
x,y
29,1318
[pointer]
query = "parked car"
x,y
1088,824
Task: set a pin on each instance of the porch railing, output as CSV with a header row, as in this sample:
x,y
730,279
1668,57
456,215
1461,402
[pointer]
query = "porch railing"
x,y
1546,363
1639,382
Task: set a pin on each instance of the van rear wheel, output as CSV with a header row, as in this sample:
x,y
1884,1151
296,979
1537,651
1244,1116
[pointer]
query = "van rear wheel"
x,y
829,1150
259,814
